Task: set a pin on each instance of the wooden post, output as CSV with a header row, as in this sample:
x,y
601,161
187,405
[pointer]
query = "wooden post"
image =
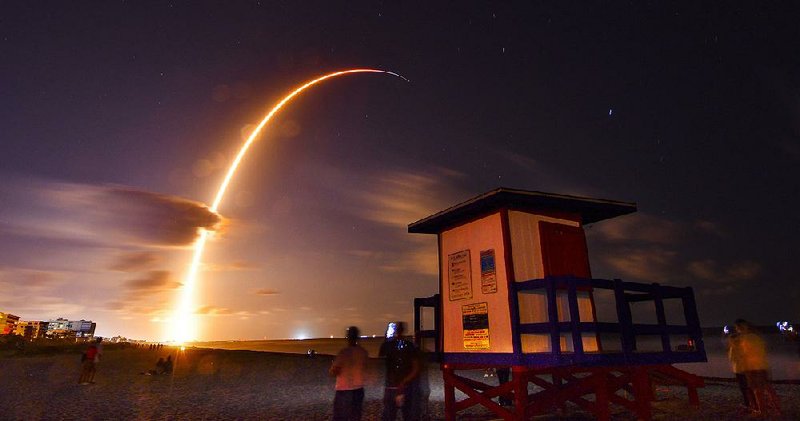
x,y
662,318
575,320
694,398
552,315
625,319
601,396
449,394
642,393
520,380
692,319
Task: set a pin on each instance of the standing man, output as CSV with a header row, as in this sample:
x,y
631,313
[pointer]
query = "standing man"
x,y
97,356
753,352
349,368
402,369
89,362
737,360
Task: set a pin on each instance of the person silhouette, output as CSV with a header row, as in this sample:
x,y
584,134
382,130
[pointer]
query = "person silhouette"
x,y
349,368
752,356
402,369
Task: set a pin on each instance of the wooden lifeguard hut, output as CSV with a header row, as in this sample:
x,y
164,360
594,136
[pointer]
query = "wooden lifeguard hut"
x,y
516,293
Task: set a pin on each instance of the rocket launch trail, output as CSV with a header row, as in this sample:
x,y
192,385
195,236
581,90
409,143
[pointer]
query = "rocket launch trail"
x,y
183,326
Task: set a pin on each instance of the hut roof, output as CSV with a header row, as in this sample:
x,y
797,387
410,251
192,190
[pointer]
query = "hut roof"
x,y
590,210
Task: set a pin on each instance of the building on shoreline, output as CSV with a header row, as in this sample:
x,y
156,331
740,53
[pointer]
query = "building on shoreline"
x,y
31,329
63,328
8,322
59,328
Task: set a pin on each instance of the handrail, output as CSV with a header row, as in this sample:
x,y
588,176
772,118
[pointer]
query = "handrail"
x,y
625,293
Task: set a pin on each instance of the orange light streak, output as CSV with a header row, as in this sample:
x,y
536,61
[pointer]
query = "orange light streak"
x,y
183,326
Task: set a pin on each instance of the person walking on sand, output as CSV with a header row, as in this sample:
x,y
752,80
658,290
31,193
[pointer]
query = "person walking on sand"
x,y
88,363
402,369
349,368
753,358
738,366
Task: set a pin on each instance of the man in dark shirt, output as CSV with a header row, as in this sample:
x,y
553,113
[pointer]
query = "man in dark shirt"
x,y
402,369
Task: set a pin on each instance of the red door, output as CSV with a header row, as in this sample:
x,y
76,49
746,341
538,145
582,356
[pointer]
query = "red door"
x,y
564,250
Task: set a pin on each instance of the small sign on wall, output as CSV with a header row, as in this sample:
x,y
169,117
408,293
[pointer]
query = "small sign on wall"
x,y
488,272
459,276
475,320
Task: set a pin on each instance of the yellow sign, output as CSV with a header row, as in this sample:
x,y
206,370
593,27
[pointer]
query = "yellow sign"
x,y
475,320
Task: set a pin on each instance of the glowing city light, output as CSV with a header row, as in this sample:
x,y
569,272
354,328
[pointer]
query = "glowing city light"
x,y
183,325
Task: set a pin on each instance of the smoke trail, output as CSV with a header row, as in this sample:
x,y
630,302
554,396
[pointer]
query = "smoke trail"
x,y
183,327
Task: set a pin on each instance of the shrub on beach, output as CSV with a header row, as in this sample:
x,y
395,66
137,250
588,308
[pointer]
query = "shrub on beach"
x,y
11,342
17,346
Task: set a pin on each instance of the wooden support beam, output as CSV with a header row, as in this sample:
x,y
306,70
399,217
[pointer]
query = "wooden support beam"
x,y
643,393
449,394
484,399
601,398
519,378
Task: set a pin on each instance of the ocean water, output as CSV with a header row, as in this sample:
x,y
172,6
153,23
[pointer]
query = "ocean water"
x,y
784,356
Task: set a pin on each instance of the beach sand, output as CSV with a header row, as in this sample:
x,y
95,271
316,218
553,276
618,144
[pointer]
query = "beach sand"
x,y
227,384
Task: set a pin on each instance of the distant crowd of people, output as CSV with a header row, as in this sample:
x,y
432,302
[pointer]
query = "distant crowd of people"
x,y
150,347
404,389
93,353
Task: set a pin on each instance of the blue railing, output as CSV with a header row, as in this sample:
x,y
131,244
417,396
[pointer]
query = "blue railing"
x,y
628,332
624,294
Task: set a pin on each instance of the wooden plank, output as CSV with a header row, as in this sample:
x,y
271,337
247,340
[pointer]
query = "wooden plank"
x,y
650,329
475,397
530,285
513,295
552,316
574,319
624,317
638,298
662,318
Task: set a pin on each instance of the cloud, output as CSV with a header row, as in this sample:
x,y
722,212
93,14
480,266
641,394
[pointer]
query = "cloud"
x,y
156,218
235,266
213,311
643,264
155,281
136,261
266,291
400,197
711,270
28,278
640,227
43,307
519,166
104,214
744,271
704,269
114,305
423,260
417,254
710,227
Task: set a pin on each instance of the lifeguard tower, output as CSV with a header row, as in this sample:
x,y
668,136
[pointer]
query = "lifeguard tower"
x,y
516,293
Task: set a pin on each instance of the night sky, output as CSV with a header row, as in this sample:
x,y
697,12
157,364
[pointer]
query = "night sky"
x,y
118,119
